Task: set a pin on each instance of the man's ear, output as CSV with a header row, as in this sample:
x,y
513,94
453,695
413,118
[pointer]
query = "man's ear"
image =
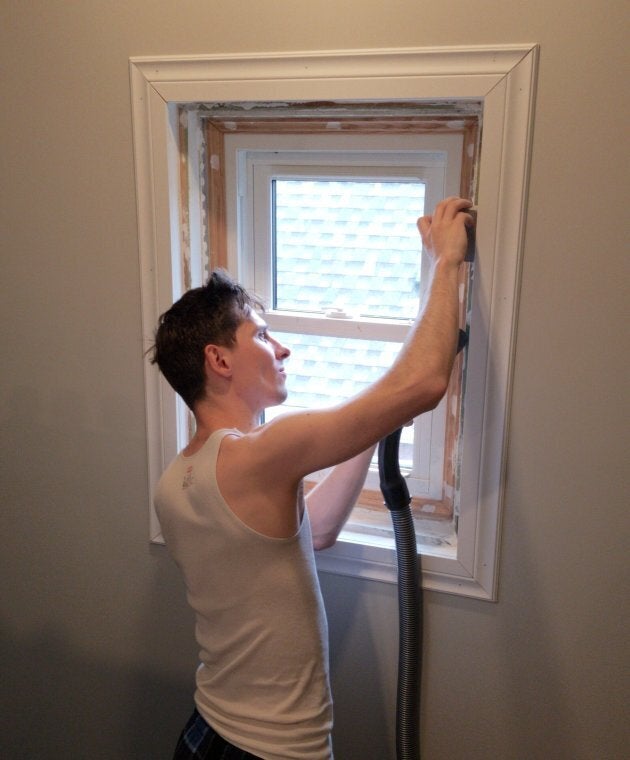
x,y
218,360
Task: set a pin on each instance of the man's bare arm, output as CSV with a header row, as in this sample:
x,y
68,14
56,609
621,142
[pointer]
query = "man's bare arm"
x,y
294,445
332,499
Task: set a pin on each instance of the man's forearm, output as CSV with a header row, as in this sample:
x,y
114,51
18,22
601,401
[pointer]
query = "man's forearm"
x,y
425,361
332,499
432,341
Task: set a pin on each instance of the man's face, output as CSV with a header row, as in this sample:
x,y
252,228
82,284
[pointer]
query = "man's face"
x,y
258,363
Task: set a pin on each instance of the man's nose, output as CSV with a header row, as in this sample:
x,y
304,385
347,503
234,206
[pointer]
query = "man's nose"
x,y
282,352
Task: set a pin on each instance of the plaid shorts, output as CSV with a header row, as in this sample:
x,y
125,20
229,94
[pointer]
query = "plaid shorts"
x,y
198,741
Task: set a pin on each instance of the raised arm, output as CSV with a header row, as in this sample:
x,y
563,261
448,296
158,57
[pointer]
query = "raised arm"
x,y
294,445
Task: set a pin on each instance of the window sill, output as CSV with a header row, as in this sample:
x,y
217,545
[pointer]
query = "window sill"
x,y
366,547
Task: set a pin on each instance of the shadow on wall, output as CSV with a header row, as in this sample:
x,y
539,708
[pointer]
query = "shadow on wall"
x,y
78,708
97,649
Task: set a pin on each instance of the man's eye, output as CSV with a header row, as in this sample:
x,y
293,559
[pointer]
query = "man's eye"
x,y
263,335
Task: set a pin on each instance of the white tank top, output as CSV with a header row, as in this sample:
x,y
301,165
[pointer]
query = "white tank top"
x,y
260,623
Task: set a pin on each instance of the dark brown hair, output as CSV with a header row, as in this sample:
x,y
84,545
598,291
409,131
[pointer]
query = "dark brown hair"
x,y
210,314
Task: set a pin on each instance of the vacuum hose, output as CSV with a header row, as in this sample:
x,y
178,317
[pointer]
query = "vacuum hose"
x,y
397,500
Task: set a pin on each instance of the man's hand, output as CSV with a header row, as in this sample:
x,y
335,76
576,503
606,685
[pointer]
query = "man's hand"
x,y
444,233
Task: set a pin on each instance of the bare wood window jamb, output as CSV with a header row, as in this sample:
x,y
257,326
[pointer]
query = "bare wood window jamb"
x,y
215,130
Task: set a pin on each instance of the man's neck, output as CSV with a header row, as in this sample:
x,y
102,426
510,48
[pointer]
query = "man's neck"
x,y
209,418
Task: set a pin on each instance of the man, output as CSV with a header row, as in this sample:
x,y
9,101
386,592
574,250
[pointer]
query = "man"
x,y
232,510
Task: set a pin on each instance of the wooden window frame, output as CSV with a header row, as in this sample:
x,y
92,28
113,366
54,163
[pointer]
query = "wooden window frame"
x,y
355,119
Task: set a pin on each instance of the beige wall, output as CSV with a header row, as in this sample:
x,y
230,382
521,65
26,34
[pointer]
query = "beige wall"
x,y
97,645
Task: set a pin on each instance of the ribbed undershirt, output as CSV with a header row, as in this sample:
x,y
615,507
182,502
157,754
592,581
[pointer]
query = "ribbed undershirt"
x,y
260,622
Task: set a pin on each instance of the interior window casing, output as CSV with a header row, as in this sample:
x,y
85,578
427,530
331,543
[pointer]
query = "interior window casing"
x,y
169,99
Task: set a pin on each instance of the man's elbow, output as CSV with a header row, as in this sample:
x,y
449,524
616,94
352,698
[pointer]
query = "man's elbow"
x,y
439,389
324,541
434,390
423,392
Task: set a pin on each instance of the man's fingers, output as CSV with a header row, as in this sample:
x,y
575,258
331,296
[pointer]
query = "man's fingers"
x,y
445,211
424,225
451,206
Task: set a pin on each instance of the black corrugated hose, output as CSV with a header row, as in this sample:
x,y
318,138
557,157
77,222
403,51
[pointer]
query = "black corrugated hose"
x,y
410,623
397,499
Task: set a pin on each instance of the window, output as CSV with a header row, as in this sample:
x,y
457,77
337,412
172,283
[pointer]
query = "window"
x,y
323,226
327,235
192,117
343,251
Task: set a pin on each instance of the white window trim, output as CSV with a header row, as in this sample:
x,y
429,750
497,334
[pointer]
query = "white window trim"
x,y
504,79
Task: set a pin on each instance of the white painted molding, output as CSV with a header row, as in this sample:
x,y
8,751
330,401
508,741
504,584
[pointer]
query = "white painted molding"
x,y
503,78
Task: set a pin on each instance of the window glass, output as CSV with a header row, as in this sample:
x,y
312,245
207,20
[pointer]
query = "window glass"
x,y
350,245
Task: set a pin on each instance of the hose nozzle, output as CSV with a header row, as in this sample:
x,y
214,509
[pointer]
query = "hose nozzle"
x,y
393,485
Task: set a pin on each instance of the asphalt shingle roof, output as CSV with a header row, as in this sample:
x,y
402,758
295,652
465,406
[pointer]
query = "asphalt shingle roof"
x,y
352,245
349,244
